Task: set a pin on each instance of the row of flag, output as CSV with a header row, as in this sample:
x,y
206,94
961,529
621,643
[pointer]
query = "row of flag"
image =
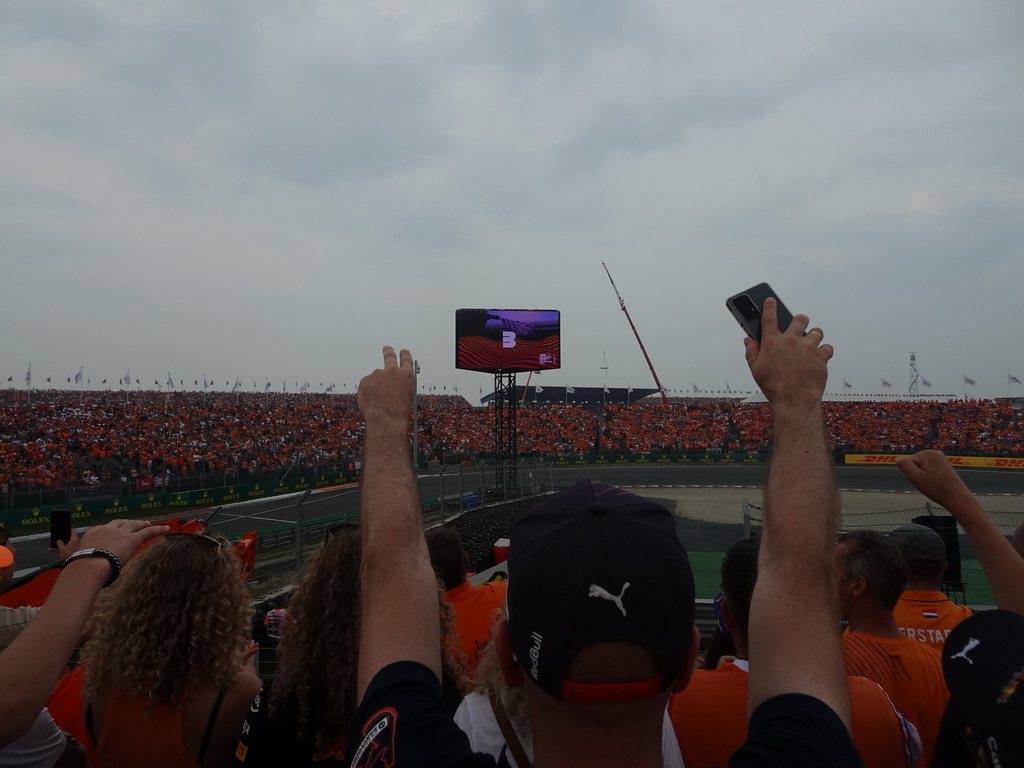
x,y
127,381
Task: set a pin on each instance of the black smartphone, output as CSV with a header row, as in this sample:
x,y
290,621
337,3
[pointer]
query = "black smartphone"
x,y
60,527
746,308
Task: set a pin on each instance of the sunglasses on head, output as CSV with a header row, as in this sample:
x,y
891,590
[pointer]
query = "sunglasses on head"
x,y
215,541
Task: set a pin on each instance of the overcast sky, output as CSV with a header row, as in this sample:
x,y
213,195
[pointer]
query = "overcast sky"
x,y
273,190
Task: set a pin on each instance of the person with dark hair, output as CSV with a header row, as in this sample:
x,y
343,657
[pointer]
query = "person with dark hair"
x,y
923,612
476,608
600,603
303,716
870,574
710,716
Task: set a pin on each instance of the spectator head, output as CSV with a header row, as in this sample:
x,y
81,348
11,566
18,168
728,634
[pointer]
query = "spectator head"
x,y
447,556
600,599
983,664
870,571
924,553
739,574
314,688
138,645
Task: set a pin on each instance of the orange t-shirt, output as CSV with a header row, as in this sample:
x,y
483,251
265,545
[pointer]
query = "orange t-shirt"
x,y
475,611
910,672
710,720
928,617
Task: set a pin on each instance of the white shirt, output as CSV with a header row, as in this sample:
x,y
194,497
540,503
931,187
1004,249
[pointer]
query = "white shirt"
x,y
476,718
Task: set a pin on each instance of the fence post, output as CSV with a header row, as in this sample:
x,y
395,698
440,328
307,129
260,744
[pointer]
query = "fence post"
x,y
298,528
440,477
746,518
462,491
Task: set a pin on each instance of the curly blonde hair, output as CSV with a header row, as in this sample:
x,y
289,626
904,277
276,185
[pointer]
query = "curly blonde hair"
x,y
491,682
178,615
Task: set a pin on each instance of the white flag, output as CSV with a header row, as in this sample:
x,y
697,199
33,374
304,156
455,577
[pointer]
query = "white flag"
x,y
238,385
570,390
28,376
267,387
539,389
304,387
127,380
629,389
78,376
606,390
170,381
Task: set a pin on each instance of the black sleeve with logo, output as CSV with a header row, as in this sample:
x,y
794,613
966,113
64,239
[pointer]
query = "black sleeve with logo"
x,y
402,723
796,731
267,743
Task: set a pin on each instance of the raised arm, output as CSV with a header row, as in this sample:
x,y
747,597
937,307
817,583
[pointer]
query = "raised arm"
x,y
795,596
932,475
400,613
32,664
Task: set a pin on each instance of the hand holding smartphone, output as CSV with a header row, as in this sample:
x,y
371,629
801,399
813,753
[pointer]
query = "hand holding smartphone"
x,y
60,527
746,307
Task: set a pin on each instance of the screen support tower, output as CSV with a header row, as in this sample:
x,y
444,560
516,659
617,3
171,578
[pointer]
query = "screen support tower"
x,y
914,390
505,452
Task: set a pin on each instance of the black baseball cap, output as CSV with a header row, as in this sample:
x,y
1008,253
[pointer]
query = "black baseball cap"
x,y
983,663
593,564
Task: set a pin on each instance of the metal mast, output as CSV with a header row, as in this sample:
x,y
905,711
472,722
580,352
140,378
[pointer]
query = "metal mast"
x,y
913,390
622,306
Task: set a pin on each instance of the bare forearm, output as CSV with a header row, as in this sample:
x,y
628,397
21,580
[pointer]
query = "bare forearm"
x,y
795,578
400,615
801,497
389,502
32,664
1000,562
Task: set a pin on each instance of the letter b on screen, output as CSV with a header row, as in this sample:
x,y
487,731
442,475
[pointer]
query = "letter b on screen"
x,y
508,339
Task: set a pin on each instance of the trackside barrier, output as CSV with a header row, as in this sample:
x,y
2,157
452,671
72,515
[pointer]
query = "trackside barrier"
x,y
155,504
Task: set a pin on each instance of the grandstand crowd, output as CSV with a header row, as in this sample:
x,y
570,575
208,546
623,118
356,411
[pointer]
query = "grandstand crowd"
x,y
832,648
67,439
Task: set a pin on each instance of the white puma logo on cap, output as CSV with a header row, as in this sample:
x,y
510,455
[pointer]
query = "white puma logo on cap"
x,y
971,645
596,591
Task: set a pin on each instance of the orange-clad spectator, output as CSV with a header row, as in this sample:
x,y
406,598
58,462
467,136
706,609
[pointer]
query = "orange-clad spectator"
x,y
870,574
102,442
476,608
923,612
710,715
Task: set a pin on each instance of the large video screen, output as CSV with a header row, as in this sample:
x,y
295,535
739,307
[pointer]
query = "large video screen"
x,y
508,340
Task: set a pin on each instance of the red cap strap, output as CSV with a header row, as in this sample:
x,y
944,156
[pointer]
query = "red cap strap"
x,y
585,693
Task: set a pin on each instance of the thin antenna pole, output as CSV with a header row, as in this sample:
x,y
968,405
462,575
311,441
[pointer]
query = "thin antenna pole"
x,y
622,306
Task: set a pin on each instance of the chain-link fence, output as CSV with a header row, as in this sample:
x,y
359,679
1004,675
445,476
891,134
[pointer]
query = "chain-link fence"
x,y
965,582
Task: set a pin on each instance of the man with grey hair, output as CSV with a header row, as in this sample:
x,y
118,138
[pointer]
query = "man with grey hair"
x,y
870,574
